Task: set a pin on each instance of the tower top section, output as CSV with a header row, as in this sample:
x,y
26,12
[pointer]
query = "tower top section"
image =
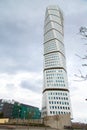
x,y
54,7
53,11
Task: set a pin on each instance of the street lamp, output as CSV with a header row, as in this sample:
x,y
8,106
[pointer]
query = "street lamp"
x,y
24,114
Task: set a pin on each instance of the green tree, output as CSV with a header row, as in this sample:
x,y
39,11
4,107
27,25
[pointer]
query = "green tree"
x,y
1,115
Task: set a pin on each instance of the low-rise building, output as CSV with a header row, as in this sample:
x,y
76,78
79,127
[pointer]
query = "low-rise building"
x,y
13,110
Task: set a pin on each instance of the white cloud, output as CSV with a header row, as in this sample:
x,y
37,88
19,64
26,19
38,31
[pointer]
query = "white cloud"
x,y
11,87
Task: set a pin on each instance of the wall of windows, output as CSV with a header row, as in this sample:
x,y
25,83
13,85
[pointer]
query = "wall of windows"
x,y
54,60
54,45
55,78
58,102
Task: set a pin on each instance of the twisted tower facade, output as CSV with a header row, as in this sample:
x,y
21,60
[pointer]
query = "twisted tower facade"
x,y
56,98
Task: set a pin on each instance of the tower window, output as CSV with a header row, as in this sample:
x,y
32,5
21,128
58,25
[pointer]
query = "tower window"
x,y
50,112
53,112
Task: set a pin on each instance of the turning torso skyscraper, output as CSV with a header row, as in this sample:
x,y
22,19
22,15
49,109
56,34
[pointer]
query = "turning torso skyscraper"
x,y
56,99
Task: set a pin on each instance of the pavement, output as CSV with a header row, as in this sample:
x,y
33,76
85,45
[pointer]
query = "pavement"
x,y
10,127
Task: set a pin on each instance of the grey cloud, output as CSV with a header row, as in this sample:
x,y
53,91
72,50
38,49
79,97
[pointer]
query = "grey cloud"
x,y
35,87
21,32
20,47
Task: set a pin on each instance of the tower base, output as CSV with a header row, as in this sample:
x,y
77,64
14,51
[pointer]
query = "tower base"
x,y
58,121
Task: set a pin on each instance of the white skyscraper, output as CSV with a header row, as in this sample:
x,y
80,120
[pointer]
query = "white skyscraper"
x,y
56,98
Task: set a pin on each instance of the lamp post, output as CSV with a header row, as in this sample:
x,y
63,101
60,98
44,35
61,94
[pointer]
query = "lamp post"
x,y
18,116
28,118
24,114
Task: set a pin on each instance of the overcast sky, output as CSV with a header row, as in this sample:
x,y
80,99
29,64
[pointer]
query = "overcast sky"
x,y
21,51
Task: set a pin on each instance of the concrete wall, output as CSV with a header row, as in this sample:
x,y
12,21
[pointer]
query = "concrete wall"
x,y
58,121
25,122
4,120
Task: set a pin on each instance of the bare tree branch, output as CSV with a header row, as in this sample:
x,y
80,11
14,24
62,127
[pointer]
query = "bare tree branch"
x,y
85,56
83,33
82,78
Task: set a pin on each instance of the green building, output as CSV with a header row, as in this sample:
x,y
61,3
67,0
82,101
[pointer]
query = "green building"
x,y
16,110
24,111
